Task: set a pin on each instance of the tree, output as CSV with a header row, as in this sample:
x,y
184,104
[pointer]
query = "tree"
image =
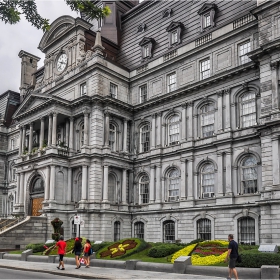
x,y
11,11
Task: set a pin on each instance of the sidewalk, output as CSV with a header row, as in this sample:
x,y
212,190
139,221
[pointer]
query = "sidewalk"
x,y
97,272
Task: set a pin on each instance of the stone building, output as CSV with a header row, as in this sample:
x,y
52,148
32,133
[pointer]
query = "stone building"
x,y
163,126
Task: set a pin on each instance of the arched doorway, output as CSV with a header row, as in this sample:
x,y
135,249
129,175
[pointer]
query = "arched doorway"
x,y
37,195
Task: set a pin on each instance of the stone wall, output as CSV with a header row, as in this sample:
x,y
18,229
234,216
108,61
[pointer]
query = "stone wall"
x,y
31,230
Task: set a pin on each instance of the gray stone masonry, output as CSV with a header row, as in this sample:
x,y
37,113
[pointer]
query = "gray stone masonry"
x,y
269,272
181,263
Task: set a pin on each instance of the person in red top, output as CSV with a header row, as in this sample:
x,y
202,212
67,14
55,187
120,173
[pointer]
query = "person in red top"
x,y
87,253
61,244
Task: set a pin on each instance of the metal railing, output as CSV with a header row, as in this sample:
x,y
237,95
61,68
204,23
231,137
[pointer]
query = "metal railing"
x,y
10,223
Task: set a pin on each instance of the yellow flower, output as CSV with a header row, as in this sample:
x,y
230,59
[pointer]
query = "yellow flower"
x,y
209,260
183,252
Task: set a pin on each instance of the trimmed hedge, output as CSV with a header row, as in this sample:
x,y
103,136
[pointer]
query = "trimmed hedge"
x,y
164,250
36,247
97,247
257,260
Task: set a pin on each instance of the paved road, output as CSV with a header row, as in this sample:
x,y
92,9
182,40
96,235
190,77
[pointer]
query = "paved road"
x,y
19,274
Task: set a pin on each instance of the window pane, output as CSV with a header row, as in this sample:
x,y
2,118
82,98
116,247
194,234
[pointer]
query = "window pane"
x,y
174,127
248,108
243,50
207,21
207,120
112,137
174,37
117,230
249,176
207,179
246,231
113,90
171,82
204,229
205,69
143,93
169,231
144,189
145,138
174,181
139,230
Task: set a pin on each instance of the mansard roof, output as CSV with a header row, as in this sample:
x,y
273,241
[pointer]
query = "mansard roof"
x,y
59,28
173,25
146,40
205,8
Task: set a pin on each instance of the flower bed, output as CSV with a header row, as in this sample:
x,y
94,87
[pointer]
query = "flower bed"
x,y
123,248
210,252
183,252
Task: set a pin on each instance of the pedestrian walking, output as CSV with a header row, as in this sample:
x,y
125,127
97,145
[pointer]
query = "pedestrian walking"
x,y
61,244
77,251
232,257
87,249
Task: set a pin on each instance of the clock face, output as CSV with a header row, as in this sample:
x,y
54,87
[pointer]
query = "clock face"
x,y
61,62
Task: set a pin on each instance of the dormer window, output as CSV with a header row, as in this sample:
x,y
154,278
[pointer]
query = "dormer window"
x,y
175,31
147,45
207,16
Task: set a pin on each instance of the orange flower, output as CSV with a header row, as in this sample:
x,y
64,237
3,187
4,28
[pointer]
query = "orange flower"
x,y
118,249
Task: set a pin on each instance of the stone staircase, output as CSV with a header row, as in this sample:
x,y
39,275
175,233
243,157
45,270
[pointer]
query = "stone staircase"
x,y
17,233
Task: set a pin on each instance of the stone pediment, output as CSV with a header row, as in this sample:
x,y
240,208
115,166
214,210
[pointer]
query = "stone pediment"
x,y
32,102
173,25
146,40
206,8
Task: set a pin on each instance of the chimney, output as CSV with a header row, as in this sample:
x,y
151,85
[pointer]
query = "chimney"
x,y
28,67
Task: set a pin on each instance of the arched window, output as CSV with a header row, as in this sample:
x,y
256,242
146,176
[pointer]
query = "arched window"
x,y
248,109
169,231
173,129
249,175
246,231
112,137
173,185
38,185
139,230
207,118
207,180
144,138
144,183
117,231
82,135
204,229
112,188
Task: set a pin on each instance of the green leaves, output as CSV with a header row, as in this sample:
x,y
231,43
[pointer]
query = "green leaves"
x,y
11,11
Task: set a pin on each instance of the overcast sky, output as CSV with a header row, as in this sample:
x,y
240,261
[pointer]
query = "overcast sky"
x,y
23,36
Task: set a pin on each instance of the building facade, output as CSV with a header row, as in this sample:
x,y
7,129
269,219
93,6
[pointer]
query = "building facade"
x,y
166,127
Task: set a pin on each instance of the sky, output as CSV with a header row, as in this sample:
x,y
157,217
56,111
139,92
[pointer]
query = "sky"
x,y
24,36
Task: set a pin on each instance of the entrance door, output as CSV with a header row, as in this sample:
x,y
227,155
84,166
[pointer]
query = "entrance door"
x,y
37,205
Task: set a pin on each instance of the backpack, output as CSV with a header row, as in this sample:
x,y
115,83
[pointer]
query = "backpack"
x,y
90,251
239,260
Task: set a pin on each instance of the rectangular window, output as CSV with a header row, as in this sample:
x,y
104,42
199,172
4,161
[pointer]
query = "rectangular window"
x,y
243,50
12,144
208,183
205,69
169,232
112,137
249,181
145,138
207,124
204,229
113,90
144,192
207,20
146,51
174,37
246,231
143,93
139,230
83,89
171,82
249,113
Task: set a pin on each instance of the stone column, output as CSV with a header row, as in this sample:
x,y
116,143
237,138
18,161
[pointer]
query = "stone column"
x,y
69,185
42,132
152,184
50,131
21,190
220,112
30,144
67,133
227,110
71,132
54,128
124,186
190,121
183,179
84,182
153,138
184,125
23,138
18,188
105,179
86,115
125,135
159,197
159,126
220,189
47,189
275,160
20,142
275,85
229,189
52,182
107,127
190,194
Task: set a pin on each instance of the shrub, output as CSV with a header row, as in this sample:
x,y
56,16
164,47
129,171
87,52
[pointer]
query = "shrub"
x,y
97,247
257,260
36,247
164,250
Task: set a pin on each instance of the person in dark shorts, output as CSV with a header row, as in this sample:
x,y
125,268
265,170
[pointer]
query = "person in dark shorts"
x,y
77,251
87,253
61,244
232,257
